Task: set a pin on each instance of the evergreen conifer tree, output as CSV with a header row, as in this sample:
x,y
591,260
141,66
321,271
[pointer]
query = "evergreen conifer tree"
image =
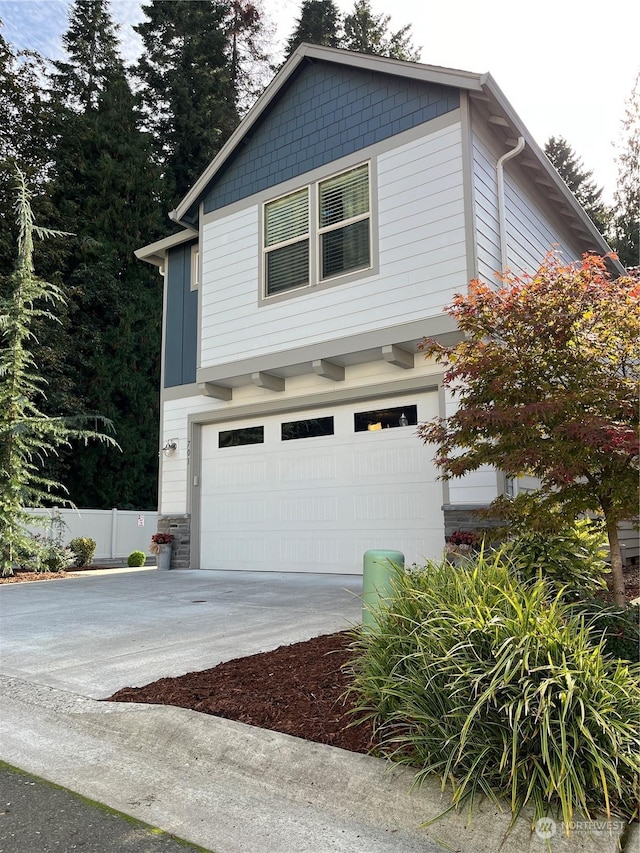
x,y
24,134
188,87
91,44
579,180
27,434
626,219
365,32
247,51
319,23
105,189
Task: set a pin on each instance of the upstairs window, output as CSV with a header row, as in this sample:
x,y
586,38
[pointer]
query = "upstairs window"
x,y
286,230
318,233
344,223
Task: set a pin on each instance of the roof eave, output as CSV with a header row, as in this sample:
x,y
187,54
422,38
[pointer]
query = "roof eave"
x,y
601,245
154,253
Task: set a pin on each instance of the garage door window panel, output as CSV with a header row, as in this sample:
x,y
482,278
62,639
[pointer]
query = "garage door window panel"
x,y
311,428
242,436
397,416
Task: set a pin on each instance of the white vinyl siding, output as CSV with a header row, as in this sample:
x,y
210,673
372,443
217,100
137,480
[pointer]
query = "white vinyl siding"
x,y
174,470
421,256
477,487
531,233
485,191
531,230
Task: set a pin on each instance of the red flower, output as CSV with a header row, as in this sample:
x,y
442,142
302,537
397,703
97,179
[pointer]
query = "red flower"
x,y
162,538
464,537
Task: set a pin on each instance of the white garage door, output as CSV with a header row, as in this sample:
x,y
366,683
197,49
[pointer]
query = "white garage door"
x,y
312,491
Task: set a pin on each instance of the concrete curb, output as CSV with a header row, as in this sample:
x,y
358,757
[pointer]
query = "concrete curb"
x,y
632,839
231,787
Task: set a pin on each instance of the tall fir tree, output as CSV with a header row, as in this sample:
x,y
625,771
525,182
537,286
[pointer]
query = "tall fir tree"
x,y
247,50
579,180
27,434
365,32
626,218
25,138
91,44
105,189
188,86
319,23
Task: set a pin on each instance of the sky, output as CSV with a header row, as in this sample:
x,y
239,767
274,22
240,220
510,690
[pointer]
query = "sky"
x,y
567,71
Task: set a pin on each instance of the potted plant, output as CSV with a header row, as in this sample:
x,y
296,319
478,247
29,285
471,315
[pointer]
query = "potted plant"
x,y
161,547
462,542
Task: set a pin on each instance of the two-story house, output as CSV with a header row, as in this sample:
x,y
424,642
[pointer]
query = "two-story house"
x,y
319,247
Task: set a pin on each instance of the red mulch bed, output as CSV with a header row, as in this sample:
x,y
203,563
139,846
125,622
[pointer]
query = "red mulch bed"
x,y
20,576
297,689
28,577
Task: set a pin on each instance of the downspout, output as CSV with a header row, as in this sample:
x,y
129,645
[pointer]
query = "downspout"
x,y
509,482
502,218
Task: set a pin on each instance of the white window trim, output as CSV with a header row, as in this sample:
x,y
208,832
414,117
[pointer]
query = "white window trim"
x,y
196,268
314,234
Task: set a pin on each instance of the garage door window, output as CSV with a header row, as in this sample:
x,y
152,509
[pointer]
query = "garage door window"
x,y
310,428
376,419
238,437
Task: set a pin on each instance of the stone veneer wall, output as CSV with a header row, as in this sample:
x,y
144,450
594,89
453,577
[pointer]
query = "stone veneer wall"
x,y
466,518
179,526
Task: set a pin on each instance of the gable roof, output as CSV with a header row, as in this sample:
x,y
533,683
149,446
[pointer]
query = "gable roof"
x,y
481,87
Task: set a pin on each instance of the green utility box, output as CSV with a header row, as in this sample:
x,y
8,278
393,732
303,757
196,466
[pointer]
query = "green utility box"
x,y
376,580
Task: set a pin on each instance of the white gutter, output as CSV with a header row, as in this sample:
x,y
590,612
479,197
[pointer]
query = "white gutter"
x,y
502,218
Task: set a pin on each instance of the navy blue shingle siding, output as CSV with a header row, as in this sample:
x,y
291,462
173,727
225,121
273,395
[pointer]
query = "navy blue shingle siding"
x,y
326,111
181,320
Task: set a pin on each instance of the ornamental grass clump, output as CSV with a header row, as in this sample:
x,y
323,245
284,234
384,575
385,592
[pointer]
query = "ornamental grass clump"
x,y
499,690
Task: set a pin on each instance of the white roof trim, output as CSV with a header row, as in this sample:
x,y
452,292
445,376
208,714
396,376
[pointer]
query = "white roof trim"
x,y
154,253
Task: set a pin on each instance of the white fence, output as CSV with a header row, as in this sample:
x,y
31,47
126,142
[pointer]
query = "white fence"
x,y
117,532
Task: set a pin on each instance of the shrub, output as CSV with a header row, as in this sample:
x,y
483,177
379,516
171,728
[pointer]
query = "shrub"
x,y
83,548
136,558
573,560
619,627
54,557
39,553
500,690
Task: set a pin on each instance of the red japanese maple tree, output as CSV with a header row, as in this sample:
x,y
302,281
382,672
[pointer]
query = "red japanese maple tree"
x,y
547,382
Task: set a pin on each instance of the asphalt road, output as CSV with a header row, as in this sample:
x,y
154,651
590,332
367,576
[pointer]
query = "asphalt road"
x,y
38,817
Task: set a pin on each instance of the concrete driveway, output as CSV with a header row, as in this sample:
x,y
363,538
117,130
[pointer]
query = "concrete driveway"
x,y
94,634
231,788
